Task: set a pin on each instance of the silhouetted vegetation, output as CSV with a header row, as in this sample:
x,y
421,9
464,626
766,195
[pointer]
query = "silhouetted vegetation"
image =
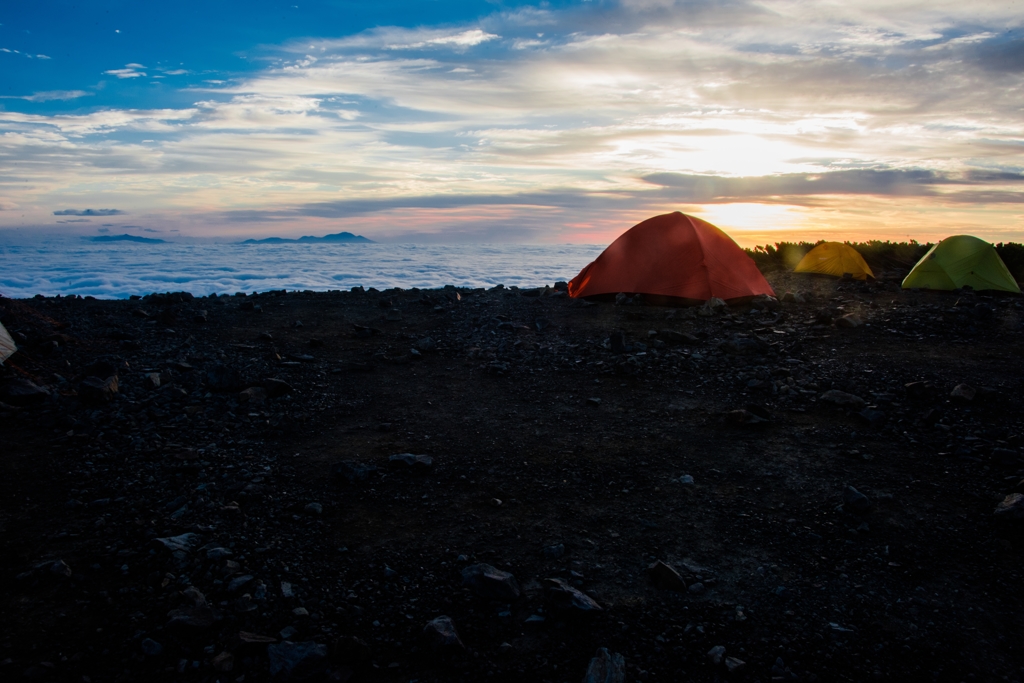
x,y
1013,256
878,254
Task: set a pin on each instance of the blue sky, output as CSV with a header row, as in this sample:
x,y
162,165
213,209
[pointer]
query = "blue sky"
x,y
491,121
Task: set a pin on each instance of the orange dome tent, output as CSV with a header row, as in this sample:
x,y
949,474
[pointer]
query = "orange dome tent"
x,y
676,256
836,259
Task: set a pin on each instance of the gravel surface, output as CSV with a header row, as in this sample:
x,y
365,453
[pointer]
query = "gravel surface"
x,y
511,485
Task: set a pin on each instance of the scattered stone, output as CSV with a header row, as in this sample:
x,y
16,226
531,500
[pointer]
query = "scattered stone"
x,y
733,664
315,509
151,380
553,552
875,418
850,320
393,315
255,639
225,662
184,542
223,378
253,395
696,588
1005,456
417,463
744,417
666,577
490,583
562,597
712,306
856,502
441,634
686,480
95,391
593,402
60,569
618,342
964,393
296,661
352,471
919,390
1010,508
239,582
716,654
606,667
843,399
197,616
277,387
151,647
426,345
765,302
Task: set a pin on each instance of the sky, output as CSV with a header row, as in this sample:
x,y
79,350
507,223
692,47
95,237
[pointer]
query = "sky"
x,y
494,121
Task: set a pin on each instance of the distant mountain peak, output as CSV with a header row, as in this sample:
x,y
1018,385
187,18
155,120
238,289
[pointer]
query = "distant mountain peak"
x,y
126,238
336,237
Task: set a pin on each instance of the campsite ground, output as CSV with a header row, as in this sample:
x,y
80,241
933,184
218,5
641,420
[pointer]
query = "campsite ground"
x,y
554,455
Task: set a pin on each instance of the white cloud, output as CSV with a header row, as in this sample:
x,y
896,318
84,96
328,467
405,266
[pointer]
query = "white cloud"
x,y
49,95
130,71
606,96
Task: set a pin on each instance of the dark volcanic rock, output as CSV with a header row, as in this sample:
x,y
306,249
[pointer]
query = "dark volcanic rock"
x,y
276,388
96,391
606,667
221,377
296,661
22,392
441,634
490,583
664,576
352,471
843,399
568,601
1010,508
856,502
417,463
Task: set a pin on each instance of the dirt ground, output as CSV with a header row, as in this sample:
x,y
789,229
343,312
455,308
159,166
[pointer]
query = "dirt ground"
x,y
566,439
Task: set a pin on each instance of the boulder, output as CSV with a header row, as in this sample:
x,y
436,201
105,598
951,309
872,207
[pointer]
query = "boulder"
x,y
850,320
856,502
95,391
416,463
490,583
276,388
665,576
296,661
22,392
220,377
606,667
441,634
962,392
563,598
843,399
1010,508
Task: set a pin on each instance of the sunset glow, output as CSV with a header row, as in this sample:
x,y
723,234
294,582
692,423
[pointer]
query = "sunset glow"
x,y
516,123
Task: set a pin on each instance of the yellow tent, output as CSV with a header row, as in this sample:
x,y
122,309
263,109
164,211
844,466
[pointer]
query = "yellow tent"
x,y
836,259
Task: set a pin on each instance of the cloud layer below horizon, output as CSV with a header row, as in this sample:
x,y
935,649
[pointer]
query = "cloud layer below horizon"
x,y
769,118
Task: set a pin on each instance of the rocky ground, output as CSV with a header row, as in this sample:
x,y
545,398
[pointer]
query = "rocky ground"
x,y
820,488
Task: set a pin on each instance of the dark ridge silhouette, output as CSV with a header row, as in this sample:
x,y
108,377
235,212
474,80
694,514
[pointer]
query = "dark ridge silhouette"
x,y
336,237
126,238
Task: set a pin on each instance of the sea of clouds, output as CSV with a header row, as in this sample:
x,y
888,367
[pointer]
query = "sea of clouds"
x,y
119,269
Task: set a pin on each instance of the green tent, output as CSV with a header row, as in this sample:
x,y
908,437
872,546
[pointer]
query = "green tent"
x,y
958,261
